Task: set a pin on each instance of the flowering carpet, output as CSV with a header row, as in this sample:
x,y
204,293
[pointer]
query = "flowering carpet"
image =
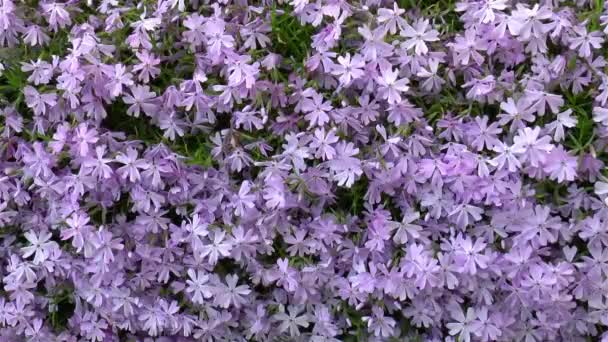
x,y
303,170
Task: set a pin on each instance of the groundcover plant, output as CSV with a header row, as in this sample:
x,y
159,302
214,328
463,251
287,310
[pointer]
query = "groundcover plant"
x,y
303,170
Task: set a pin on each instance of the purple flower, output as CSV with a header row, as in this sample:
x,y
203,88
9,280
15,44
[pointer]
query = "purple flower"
x,y
147,67
231,294
348,69
40,246
56,15
379,324
186,171
468,255
119,78
585,41
391,87
38,162
464,325
484,135
218,247
468,47
132,165
98,165
345,167
197,286
316,109
322,144
290,320
560,165
528,23
83,137
39,102
392,18
78,230
418,35
142,99
535,149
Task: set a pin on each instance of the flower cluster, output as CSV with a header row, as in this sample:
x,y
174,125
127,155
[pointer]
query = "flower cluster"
x,y
303,170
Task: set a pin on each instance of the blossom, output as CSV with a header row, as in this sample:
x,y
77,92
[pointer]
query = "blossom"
x,y
240,71
291,320
534,149
488,327
78,231
99,164
219,247
132,165
153,320
244,200
141,99
560,165
147,67
374,45
39,102
484,135
256,33
391,87
600,115
464,212
106,244
515,113
197,286
468,255
528,22
322,143
381,325
84,137
584,41
486,12
42,71
56,15
345,167
214,30
563,120
418,35
40,246
465,325
432,81
539,100
316,109
538,281
231,294
468,47
120,78
507,156
35,36
349,69
392,18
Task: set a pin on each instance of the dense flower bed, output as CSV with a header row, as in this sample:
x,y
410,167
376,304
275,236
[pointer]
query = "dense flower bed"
x,y
310,170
